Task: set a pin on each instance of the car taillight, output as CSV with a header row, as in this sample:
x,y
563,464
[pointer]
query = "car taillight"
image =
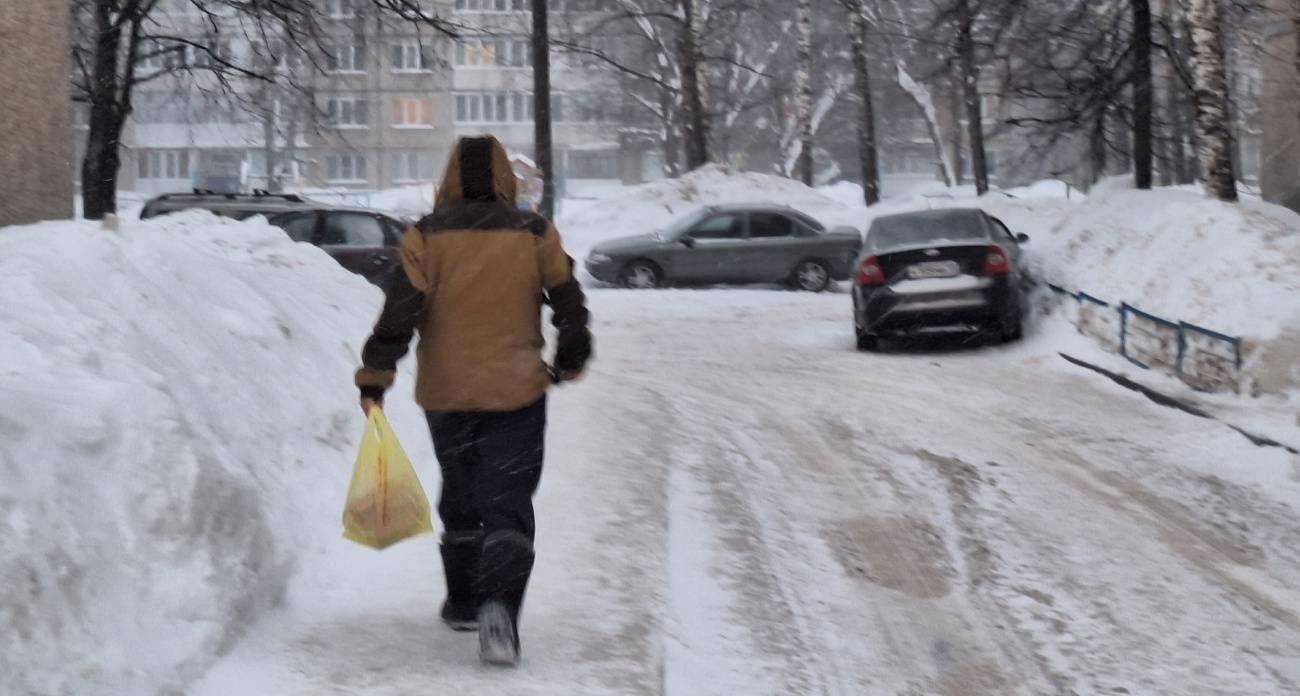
x,y
996,261
870,273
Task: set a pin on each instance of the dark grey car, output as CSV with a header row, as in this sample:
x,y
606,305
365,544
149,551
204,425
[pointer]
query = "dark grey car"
x,y
361,240
951,269
731,244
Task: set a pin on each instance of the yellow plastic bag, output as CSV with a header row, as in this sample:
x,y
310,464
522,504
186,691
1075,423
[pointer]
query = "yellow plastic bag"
x,y
386,502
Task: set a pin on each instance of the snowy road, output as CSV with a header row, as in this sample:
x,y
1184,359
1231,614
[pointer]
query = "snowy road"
x,y
736,502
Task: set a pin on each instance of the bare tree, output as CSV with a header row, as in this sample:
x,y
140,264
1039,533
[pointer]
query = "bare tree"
x,y
694,83
1142,93
120,45
1212,99
868,152
803,168
969,73
542,106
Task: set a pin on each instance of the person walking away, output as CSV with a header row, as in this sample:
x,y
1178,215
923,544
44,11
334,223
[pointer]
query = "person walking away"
x,y
475,274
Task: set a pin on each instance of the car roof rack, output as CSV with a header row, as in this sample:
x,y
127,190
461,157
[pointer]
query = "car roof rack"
x,y
256,193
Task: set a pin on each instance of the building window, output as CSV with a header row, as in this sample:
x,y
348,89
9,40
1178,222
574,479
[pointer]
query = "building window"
x,y
494,107
574,5
412,113
163,164
348,113
491,5
347,59
346,168
154,55
412,166
219,53
494,53
410,57
341,9
191,108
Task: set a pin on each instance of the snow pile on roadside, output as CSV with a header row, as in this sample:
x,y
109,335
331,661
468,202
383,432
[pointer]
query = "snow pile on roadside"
x,y
1184,257
645,208
177,426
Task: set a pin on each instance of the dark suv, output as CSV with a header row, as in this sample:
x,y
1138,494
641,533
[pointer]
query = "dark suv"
x,y
361,240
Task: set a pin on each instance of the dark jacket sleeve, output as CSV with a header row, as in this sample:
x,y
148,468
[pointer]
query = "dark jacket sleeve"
x,y
568,304
391,339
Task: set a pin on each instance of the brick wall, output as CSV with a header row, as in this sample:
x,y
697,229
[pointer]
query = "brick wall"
x,y
35,112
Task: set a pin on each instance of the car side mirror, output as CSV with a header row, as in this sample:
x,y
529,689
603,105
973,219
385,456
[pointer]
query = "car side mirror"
x,y
688,241
1022,238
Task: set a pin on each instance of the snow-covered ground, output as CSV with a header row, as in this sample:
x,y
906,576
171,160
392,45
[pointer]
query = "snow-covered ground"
x,y
735,500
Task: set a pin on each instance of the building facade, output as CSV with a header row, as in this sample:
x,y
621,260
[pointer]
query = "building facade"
x,y
1280,120
36,167
379,108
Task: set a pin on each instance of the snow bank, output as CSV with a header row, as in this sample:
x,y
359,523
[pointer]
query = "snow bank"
x,y
1181,256
175,405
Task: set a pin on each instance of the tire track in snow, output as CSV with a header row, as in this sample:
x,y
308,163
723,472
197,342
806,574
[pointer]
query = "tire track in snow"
x,y
724,548
935,641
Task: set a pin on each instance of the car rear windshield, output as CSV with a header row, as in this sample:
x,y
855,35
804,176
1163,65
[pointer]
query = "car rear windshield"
x,y
904,230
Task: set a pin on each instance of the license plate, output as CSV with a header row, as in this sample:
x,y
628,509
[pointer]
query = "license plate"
x,y
933,269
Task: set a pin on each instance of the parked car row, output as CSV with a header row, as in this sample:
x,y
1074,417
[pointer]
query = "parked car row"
x,y
959,268
913,272
361,240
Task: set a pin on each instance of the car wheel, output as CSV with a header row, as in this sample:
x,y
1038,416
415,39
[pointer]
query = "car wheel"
x,y
812,276
868,342
640,275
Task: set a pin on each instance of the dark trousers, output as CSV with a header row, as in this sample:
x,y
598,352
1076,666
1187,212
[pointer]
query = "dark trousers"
x,y
491,464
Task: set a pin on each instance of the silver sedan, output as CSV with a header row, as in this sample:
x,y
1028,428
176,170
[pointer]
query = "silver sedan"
x,y
731,244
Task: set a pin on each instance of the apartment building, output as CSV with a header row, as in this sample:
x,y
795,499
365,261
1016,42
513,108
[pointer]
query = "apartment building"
x,y
379,107
383,109
1280,119
493,80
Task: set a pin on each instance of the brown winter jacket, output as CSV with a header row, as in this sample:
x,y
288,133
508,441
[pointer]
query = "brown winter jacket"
x,y
477,272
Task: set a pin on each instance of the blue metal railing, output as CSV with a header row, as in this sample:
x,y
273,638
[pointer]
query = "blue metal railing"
x,y
1183,331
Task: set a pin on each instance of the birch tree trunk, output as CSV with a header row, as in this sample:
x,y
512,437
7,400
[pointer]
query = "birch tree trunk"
x,y
1142,93
868,153
1212,115
970,90
803,168
925,100
691,66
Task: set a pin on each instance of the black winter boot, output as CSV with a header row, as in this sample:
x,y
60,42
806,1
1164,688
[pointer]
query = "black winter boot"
x,y
460,559
503,572
504,567
498,634
460,616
